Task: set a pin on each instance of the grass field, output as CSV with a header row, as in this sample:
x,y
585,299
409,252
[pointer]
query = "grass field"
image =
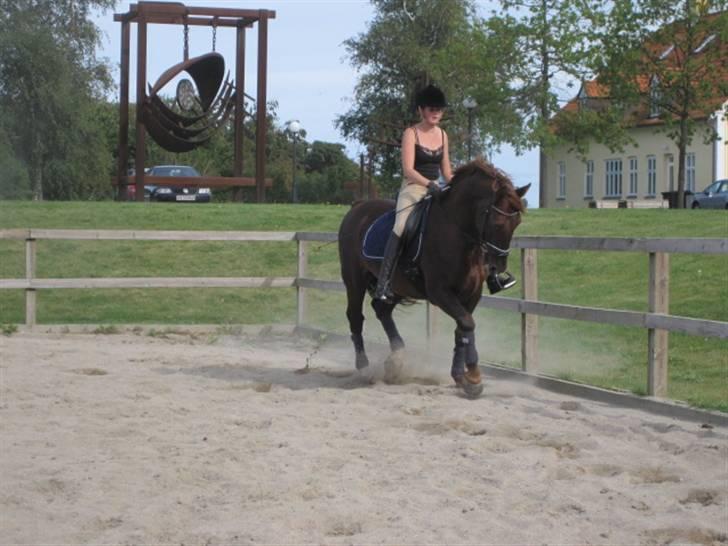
x,y
608,356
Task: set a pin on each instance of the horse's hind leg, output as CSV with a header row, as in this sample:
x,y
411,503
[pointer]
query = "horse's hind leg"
x,y
384,311
355,300
394,363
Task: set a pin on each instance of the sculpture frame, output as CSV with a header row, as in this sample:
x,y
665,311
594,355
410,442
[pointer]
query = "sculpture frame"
x,y
145,13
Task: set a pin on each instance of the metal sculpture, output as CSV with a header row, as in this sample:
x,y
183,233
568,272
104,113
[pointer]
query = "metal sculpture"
x,y
214,97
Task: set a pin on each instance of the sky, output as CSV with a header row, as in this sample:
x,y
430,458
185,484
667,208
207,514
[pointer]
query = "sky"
x,y
308,73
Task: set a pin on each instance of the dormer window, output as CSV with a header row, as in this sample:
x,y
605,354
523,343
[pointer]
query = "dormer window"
x,y
655,97
704,44
667,52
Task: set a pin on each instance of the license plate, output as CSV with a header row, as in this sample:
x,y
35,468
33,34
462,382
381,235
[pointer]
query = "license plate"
x,y
185,198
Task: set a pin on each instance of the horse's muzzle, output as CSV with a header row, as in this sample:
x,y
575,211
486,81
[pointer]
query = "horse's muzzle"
x,y
499,281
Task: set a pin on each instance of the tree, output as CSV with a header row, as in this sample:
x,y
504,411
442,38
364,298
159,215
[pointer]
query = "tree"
x,y
668,61
537,46
14,181
50,84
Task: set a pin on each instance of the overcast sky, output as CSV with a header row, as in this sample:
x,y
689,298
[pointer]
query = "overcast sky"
x,y
308,74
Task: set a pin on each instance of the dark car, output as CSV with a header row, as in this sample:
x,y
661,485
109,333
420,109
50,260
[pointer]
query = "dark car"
x,y
177,193
714,196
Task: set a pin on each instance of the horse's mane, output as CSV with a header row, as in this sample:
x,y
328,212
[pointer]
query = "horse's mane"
x,y
501,184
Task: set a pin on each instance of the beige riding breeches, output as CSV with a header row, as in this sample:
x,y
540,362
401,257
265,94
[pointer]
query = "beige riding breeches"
x,y
409,195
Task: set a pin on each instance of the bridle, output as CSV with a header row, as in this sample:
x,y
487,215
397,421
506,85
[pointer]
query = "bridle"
x,y
486,245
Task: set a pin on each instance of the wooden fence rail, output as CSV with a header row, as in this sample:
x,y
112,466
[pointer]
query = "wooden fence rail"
x,y
656,320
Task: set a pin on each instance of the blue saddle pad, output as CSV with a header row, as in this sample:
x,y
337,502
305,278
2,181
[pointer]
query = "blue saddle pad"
x,y
375,239
376,236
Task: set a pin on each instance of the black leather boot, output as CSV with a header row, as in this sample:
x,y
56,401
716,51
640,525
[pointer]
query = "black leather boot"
x,y
384,281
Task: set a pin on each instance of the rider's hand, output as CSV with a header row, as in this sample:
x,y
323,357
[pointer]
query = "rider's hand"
x,y
433,188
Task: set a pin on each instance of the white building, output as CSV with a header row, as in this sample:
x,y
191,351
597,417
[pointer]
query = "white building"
x,y
639,174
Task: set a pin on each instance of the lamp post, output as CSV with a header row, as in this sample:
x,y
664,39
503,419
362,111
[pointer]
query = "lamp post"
x,y
469,104
294,127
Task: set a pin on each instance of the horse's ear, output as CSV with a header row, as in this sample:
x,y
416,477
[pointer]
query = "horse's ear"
x,y
522,190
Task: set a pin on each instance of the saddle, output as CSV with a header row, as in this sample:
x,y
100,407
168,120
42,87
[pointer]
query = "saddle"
x,y
375,239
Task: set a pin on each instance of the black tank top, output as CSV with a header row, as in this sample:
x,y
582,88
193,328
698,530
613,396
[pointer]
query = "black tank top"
x,y
427,161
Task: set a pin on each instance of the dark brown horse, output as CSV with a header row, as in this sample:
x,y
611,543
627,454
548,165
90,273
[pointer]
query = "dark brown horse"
x,y
469,229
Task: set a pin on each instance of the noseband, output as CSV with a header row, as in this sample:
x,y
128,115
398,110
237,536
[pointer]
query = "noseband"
x,y
487,246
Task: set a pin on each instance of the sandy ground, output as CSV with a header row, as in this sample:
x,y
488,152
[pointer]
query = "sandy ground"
x,y
217,439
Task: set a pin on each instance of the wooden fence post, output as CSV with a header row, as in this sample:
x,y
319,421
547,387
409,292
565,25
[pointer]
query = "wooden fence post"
x,y
30,316
657,340
529,323
300,292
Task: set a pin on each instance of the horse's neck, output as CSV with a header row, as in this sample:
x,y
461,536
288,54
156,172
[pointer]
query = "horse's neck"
x,y
460,208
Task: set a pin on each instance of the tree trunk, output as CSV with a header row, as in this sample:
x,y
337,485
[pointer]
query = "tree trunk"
x,y
543,106
681,146
542,178
36,174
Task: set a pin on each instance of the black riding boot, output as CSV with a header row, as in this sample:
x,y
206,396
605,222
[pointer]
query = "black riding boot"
x,y
384,281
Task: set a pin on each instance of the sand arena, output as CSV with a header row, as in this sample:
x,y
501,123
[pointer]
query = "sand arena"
x,y
213,438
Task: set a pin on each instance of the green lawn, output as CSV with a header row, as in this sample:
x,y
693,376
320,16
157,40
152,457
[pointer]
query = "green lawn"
x,y
605,355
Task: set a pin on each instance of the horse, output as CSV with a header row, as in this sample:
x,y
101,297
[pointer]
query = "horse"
x,y
469,227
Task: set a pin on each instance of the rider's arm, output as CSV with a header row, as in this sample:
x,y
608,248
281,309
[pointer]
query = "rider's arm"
x,y
445,166
408,159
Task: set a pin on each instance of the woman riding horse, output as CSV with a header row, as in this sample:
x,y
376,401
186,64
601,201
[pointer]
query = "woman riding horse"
x,y
468,234
425,158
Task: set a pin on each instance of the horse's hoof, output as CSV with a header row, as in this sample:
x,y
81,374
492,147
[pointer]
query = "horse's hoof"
x,y
397,344
361,361
470,382
393,366
368,375
472,390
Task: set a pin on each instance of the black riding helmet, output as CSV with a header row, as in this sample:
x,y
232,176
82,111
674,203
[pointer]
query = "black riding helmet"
x,y
431,96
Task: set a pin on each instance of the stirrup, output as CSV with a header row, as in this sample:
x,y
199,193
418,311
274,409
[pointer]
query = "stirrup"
x,y
500,281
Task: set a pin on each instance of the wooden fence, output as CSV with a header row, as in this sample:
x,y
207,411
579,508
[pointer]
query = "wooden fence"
x,y
656,320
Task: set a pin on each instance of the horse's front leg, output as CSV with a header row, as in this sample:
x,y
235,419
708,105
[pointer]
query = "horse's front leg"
x,y
464,371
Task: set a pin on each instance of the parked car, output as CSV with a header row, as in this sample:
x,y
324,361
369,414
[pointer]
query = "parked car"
x,y
714,196
177,193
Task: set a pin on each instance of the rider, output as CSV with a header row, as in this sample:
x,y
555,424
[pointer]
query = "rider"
x,y
425,159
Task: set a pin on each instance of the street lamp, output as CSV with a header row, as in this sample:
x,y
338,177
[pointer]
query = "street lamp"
x,y
294,127
469,104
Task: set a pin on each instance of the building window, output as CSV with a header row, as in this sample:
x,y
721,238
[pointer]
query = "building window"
x,y
589,179
633,176
562,180
651,175
690,172
614,178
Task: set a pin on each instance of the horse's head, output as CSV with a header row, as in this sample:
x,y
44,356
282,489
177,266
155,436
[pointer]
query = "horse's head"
x,y
501,220
498,214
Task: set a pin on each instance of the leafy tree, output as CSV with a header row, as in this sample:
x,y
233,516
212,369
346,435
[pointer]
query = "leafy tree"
x,y
327,169
50,82
14,180
537,47
398,54
667,60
